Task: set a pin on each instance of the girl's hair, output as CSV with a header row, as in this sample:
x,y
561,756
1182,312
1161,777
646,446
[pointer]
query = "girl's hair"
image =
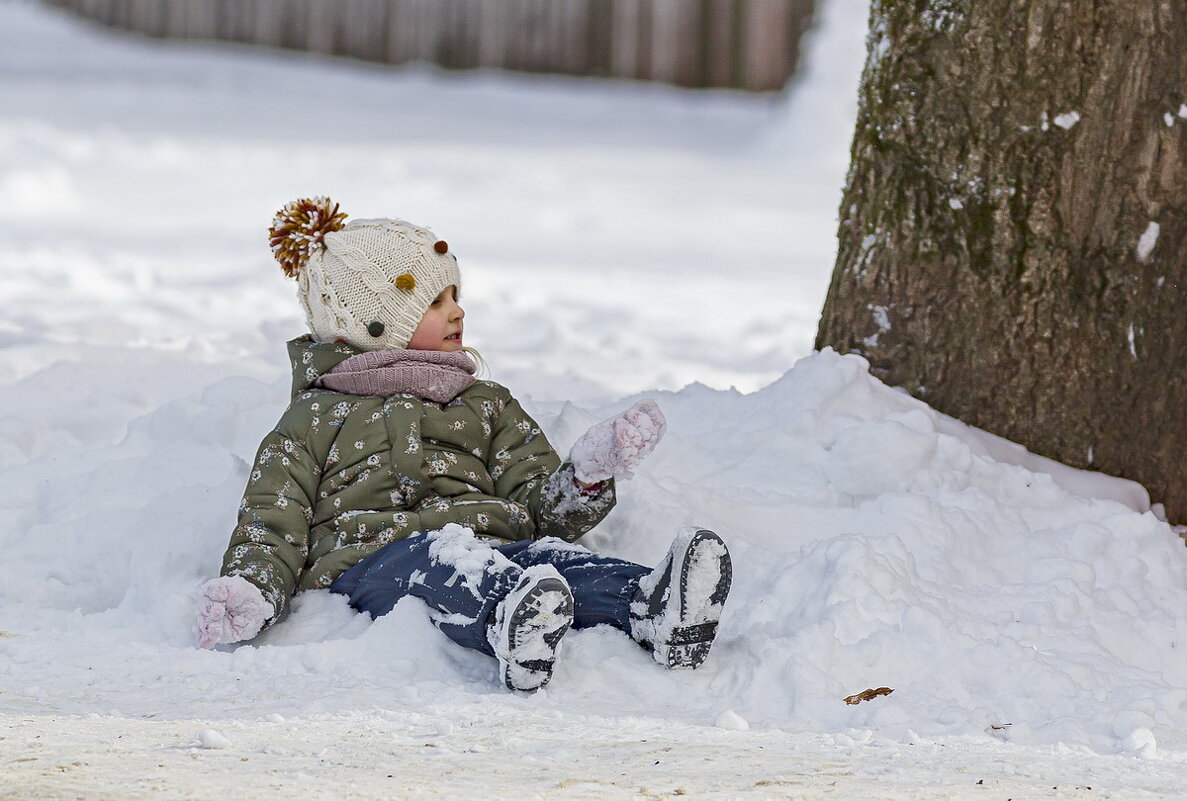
x,y
483,367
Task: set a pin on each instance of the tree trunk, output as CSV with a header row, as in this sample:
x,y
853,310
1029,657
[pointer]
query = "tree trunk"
x,y
1013,236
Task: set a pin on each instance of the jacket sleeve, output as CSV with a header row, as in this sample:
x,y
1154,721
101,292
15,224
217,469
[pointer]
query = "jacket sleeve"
x,y
528,471
271,541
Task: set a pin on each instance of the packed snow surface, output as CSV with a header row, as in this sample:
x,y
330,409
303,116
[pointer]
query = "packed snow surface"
x,y
616,242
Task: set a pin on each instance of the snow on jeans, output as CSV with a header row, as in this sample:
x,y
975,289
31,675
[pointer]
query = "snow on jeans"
x,y
462,579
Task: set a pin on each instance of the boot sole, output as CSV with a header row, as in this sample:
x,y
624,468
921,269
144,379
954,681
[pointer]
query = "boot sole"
x,y
705,576
539,619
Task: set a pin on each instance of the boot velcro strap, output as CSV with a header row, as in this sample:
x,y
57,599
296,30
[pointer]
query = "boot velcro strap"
x,y
686,635
536,664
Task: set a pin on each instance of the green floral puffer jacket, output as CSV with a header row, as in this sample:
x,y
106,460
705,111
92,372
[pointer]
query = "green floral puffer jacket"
x,y
343,475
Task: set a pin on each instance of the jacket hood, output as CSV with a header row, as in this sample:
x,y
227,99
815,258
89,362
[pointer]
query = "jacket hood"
x,y
311,360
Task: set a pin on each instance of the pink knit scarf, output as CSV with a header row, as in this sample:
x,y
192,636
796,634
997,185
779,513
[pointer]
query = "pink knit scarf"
x,y
435,375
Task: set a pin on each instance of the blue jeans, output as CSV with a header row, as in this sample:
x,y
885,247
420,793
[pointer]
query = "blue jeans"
x,y
463,579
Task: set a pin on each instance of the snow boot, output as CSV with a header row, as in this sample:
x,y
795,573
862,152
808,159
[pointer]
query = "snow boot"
x,y
674,612
528,626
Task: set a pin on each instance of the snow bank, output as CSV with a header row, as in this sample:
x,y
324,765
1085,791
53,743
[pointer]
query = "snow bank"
x,y
877,543
873,547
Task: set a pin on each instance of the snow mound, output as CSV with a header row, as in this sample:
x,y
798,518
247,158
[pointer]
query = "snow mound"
x,y
876,544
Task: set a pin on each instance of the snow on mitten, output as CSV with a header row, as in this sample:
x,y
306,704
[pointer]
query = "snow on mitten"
x,y
230,609
615,447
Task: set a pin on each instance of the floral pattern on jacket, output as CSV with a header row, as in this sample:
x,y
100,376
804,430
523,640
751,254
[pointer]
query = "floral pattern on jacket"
x,y
343,475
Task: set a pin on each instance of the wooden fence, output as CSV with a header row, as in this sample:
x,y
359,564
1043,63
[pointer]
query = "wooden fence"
x,y
743,44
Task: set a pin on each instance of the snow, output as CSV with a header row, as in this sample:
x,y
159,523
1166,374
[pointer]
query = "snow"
x,y
1148,240
1067,119
211,738
882,320
729,719
617,241
469,557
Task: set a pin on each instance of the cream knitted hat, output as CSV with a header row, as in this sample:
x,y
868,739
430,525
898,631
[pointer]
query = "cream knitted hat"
x,y
368,282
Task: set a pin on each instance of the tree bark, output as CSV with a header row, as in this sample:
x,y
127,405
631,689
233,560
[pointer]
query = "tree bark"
x,y
1013,235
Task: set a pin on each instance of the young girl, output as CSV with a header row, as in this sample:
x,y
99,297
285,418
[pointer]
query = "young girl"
x,y
394,472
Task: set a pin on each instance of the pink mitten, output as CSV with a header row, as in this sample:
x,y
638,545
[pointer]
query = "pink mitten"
x,y
615,447
230,609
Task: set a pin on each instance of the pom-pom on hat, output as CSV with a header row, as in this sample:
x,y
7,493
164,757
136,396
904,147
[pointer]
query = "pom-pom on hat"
x,y
368,282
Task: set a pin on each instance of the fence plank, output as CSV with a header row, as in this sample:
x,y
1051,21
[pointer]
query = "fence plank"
x,y
400,31
764,42
675,42
624,36
720,42
492,39
598,41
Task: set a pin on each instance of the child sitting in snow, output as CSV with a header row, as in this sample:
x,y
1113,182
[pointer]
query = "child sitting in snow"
x,y
394,472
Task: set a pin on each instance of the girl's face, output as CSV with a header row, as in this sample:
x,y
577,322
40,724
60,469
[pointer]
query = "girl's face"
x,y
441,327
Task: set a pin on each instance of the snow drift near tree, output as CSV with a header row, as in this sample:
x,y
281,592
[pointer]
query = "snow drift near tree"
x,y
872,549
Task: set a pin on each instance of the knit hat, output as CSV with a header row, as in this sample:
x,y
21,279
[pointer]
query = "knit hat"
x,y
368,282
